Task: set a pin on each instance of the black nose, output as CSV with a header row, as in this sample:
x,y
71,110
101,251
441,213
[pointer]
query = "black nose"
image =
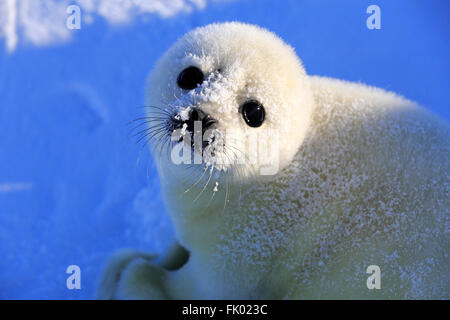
x,y
198,115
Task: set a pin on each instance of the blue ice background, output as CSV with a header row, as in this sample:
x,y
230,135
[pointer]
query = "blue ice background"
x,y
64,109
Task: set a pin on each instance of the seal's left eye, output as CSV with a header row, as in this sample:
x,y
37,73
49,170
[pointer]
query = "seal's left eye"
x,y
190,78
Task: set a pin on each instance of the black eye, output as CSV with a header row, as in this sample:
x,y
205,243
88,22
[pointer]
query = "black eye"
x,y
190,78
253,113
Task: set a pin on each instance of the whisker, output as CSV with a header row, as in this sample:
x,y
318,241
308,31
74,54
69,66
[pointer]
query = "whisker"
x,y
147,118
144,147
226,193
137,126
150,135
158,142
204,171
146,129
214,192
209,179
236,169
157,108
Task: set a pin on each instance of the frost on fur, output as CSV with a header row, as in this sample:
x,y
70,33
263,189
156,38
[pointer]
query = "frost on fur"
x,y
363,179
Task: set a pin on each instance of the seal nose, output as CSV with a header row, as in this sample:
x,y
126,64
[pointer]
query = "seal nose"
x,y
198,115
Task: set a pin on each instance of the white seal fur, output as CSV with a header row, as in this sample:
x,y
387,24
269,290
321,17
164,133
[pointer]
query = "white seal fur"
x,y
362,179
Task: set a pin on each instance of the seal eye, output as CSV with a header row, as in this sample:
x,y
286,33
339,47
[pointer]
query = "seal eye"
x,y
253,113
190,78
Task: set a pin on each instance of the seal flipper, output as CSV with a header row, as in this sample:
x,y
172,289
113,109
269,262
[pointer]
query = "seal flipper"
x,y
113,271
175,258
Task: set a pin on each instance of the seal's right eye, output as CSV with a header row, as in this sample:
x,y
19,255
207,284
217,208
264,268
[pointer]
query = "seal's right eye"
x,y
253,113
190,78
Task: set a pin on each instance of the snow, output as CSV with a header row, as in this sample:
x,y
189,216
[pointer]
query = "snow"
x,y
183,129
184,114
39,21
72,190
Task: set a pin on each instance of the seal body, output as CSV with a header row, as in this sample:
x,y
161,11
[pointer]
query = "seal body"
x,y
356,177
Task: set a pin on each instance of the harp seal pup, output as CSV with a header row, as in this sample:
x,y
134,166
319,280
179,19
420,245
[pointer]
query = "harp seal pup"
x,y
356,176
